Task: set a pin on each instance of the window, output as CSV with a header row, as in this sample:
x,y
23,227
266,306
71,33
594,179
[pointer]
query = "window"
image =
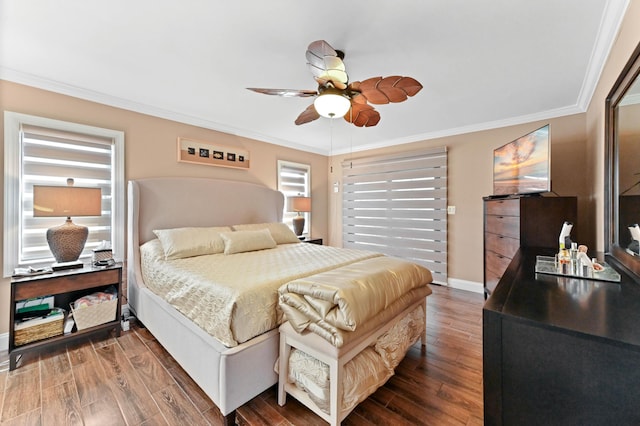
x,y
294,179
397,205
42,151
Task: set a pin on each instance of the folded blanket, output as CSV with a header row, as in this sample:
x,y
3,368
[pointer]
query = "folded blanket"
x,y
344,298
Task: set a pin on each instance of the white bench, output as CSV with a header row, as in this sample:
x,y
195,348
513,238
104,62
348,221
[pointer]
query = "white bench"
x,y
335,358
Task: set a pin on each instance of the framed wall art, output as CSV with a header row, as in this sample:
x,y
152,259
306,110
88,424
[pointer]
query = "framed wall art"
x,y
198,152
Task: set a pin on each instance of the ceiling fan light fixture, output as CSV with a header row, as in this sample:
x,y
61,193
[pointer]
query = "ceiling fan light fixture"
x,y
331,103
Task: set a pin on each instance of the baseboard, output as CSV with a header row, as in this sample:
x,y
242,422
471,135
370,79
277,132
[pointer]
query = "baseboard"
x,y
4,342
466,285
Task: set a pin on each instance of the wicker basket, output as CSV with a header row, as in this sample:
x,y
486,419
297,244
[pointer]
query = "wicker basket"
x,y
39,332
97,314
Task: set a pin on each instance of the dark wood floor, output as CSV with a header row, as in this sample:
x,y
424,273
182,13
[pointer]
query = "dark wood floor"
x,y
133,381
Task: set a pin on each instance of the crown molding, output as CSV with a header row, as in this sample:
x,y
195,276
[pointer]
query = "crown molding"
x,y
126,104
513,121
612,17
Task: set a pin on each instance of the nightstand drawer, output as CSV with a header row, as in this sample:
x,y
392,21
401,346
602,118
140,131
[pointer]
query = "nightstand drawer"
x,y
65,284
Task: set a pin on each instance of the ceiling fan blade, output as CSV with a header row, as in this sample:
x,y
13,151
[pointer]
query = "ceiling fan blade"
x,y
411,86
288,93
362,115
325,64
307,115
331,65
320,49
379,90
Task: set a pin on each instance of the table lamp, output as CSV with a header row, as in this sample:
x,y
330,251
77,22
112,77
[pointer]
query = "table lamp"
x,y
299,205
66,241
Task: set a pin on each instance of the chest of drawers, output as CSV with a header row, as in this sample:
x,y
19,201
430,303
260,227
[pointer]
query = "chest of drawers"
x,y
511,223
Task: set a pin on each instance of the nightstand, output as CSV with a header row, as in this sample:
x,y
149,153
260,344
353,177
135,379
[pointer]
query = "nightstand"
x,y
314,241
65,286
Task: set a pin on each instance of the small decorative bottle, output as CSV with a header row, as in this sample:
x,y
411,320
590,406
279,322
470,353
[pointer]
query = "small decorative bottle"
x,y
564,262
573,257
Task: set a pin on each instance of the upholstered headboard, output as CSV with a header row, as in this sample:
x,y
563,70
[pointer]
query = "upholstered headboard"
x,y
161,203
172,202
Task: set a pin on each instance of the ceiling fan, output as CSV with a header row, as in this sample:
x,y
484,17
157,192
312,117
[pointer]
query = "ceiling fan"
x,y
336,97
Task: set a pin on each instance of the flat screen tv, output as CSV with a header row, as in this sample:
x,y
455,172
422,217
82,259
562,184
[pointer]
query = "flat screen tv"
x,y
523,166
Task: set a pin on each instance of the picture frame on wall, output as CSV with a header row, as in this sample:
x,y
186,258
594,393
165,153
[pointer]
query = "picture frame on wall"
x,y
209,154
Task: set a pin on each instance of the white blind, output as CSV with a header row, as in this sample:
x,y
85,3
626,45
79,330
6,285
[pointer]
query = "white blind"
x,y
49,157
397,205
294,179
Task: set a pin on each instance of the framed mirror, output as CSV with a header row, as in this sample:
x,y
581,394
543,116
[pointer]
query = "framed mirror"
x,y
622,173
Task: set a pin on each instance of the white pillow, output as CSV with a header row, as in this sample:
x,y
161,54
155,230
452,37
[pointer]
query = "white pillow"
x,y
280,232
242,241
178,243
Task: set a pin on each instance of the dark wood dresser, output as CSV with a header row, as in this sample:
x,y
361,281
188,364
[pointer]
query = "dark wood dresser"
x,y
521,221
561,350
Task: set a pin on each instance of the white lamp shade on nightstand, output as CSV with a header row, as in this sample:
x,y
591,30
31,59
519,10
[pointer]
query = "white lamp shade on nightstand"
x,y
67,240
299,205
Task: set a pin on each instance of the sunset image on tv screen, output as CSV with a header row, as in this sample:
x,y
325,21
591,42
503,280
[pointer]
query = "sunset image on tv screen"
x,y
522,166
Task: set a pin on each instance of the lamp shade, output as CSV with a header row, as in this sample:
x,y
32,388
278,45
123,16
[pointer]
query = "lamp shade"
x,y
332,104
58,201
299,204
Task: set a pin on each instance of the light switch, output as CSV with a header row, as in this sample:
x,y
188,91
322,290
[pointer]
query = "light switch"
x,y
451,209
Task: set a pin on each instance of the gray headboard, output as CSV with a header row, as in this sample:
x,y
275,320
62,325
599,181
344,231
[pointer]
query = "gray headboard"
x,y
162,203
173,202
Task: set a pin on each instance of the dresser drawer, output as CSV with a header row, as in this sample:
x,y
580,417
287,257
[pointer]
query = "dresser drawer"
x,y
496,263
500,244
509,226
491,280
503,207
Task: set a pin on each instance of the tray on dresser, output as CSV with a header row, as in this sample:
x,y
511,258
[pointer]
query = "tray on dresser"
x,y
548,265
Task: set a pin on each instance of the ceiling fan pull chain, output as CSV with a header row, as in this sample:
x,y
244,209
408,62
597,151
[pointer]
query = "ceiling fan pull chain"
x,y
351,139
331,144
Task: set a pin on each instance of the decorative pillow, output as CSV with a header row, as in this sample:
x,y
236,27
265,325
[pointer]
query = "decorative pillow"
x,y
178,243
280,232
241,241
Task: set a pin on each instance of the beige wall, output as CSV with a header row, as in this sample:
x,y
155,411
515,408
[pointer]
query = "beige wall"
x,y
627,40
470,177
150,150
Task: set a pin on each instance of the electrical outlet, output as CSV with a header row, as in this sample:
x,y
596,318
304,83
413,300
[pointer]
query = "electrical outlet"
x,y
336,187
451,209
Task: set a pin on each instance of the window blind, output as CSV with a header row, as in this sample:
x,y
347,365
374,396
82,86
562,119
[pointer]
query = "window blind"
x,y
49,157
294,179
397,205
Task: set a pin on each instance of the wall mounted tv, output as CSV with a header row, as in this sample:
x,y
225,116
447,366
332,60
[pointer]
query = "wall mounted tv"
x,y
523,166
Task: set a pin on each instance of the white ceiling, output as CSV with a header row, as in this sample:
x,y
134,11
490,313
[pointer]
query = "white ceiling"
x,y
483,64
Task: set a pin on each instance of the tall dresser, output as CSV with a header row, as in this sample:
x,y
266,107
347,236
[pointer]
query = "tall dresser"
x,y
521,221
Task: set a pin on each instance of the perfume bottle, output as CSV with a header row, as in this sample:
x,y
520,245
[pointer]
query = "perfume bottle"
x,y
573,259
564,262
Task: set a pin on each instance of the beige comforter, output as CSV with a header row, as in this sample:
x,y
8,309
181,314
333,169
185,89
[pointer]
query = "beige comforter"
x,y
235,297
344,298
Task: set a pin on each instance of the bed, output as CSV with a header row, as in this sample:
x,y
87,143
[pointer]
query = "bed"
x,y
229,350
